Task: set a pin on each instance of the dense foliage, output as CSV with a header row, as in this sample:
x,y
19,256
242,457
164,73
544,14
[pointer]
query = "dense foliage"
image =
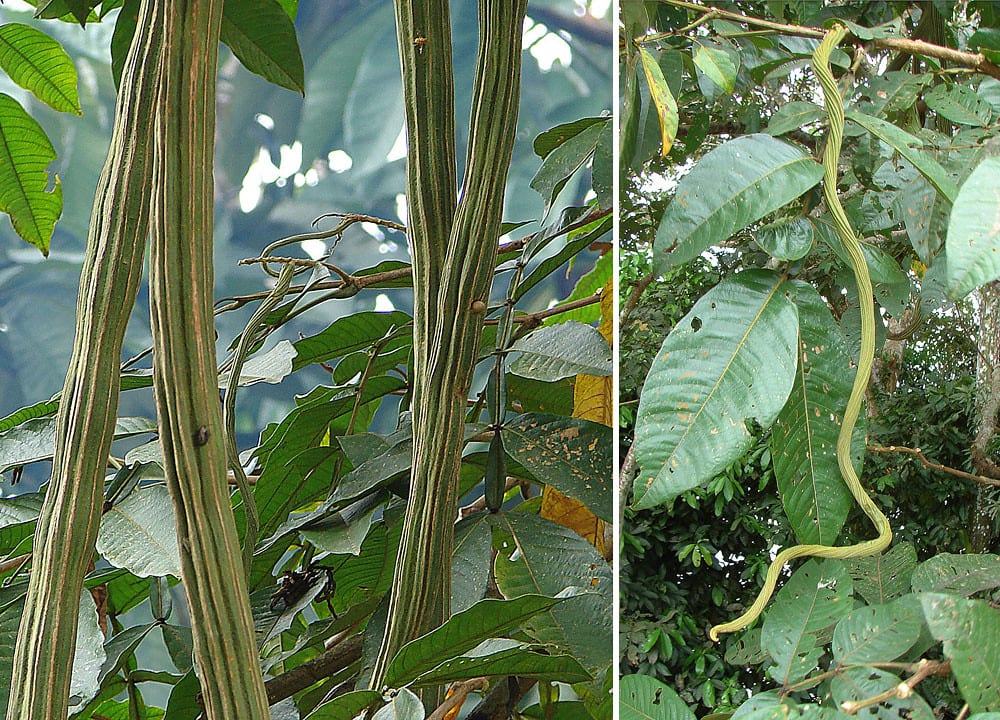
x,y
325,432
706,93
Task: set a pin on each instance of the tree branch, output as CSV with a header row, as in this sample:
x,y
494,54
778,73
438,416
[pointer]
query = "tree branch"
x,y
918,453
339,657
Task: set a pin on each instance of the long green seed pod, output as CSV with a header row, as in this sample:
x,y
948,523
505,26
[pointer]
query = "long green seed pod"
x,y
835,113
453,319
184,368
71,513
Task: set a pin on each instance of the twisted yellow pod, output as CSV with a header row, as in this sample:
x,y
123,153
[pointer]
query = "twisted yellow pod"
x,y
835,112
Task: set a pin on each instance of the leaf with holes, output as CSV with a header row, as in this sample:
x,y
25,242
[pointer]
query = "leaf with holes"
x,y
729,362
884,577
571,454
646,698
804,437
38,63
957,574
878,633
970,630
733,186
25,153
817,596
860,683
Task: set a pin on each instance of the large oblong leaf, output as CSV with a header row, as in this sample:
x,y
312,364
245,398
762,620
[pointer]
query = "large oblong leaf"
x,y
804,437
974,231
970,630
908,146
571,454
554,352
646,698
138,534
817,596
462,632
730,360
732,186
38,63
663,99
877,633
25,152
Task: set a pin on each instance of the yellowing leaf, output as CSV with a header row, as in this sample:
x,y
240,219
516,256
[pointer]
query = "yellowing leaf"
x,y
663,99
592,400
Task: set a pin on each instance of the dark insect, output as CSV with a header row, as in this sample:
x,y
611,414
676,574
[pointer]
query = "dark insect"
x,y
201,436
294,584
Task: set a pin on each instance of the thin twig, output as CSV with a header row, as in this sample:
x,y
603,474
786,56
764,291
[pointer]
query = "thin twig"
x,y
918,453
925,668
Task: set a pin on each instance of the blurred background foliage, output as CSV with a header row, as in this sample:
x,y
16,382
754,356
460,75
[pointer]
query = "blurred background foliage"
x,y
283,160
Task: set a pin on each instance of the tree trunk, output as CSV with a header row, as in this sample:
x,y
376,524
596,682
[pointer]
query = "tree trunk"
x,y
987,404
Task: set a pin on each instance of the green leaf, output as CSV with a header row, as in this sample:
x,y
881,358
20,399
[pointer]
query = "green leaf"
x,y
536,556
347,334
786,239
10,619
183,701
958,574
470,561
261,34
25,152
906,145
373,120
816,596
121,39
120,647
346,707
734,185
554,352
563,162
462,632
340,538
970,630
90,654
570,454
974,231
958,104
555,398
138,534
877,633
38,63
547,141
860,683
271,367
717,66
884,577
180,645
804,437
663,100
646,698
405,705
34,440
893,92
506,658
794,116
730,360
921,209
